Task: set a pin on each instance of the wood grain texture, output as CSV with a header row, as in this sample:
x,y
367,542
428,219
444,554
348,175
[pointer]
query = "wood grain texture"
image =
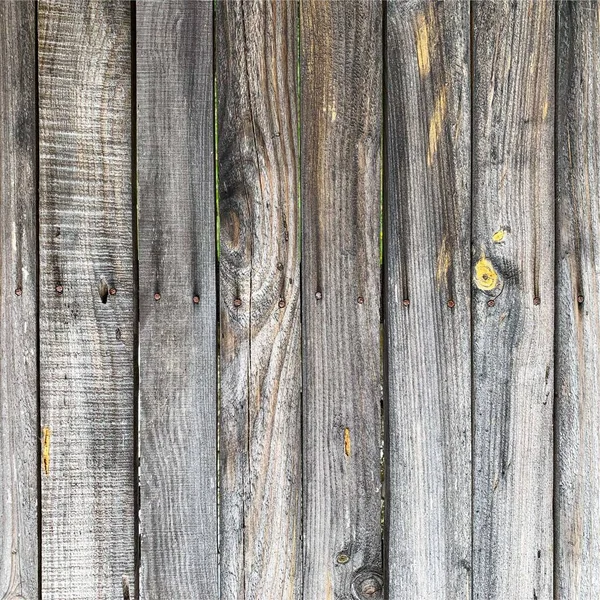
x,y
427,240
86,333
577,491
513,298
18,304
178,335
341,92
260,432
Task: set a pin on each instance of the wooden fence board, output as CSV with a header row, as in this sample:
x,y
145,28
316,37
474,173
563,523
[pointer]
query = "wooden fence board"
x,y
513,298
260,435
427,298
18,303
178,337
86,332
577,491
341,91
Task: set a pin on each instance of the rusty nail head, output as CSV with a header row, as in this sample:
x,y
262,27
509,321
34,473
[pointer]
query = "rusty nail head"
x,y
491,302
536,301
157,296
451,304
18,291
281,303
580,299
360,300
112,291
406,302
318,295
196,299
237,302
59,289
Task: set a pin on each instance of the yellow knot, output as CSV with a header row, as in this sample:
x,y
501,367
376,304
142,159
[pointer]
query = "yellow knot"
x,y
486,278
499,236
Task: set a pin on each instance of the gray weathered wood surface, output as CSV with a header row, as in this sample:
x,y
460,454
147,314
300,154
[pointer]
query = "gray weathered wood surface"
x,y
577,411
260,433
86,333
18,304
513,298
177,254
341,117
427,300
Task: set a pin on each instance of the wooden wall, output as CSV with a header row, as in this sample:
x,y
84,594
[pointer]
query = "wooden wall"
x,y
299,299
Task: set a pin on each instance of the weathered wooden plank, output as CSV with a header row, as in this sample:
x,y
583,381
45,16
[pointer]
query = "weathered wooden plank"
x,y
18,303
513,298
577,491
428,322
86,299
260,428
341,91
178,335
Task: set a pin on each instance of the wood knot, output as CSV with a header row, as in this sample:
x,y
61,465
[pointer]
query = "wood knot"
x,y
367,585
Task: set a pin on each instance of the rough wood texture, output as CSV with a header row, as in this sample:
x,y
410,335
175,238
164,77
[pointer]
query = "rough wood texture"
x,y
577,491
513,298
427,299
86,333
341,91
178,343
18,304
260,443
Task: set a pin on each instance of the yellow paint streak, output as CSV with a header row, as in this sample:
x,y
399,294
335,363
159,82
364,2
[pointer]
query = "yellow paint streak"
x,y
423,46
486,278
347,443
545,110
443,262
499,236
46,433
435,125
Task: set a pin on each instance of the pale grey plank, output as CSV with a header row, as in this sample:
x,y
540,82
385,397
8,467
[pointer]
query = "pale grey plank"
x,y
86,333
427,298
341,119
513,298
178,336
18,304
577,412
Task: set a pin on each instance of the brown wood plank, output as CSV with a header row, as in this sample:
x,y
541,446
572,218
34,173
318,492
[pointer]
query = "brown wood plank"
x,y
260,433
341,96
577,491
178,336
428,288
86,332
513,298
19,456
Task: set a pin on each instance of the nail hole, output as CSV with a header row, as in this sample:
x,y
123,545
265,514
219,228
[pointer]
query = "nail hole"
x,y
103,291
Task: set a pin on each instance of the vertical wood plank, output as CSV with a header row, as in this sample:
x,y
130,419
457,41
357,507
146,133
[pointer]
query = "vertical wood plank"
x,y
341,91
260,432
577,492
513,298
86,332
18,303
178,343
428,322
